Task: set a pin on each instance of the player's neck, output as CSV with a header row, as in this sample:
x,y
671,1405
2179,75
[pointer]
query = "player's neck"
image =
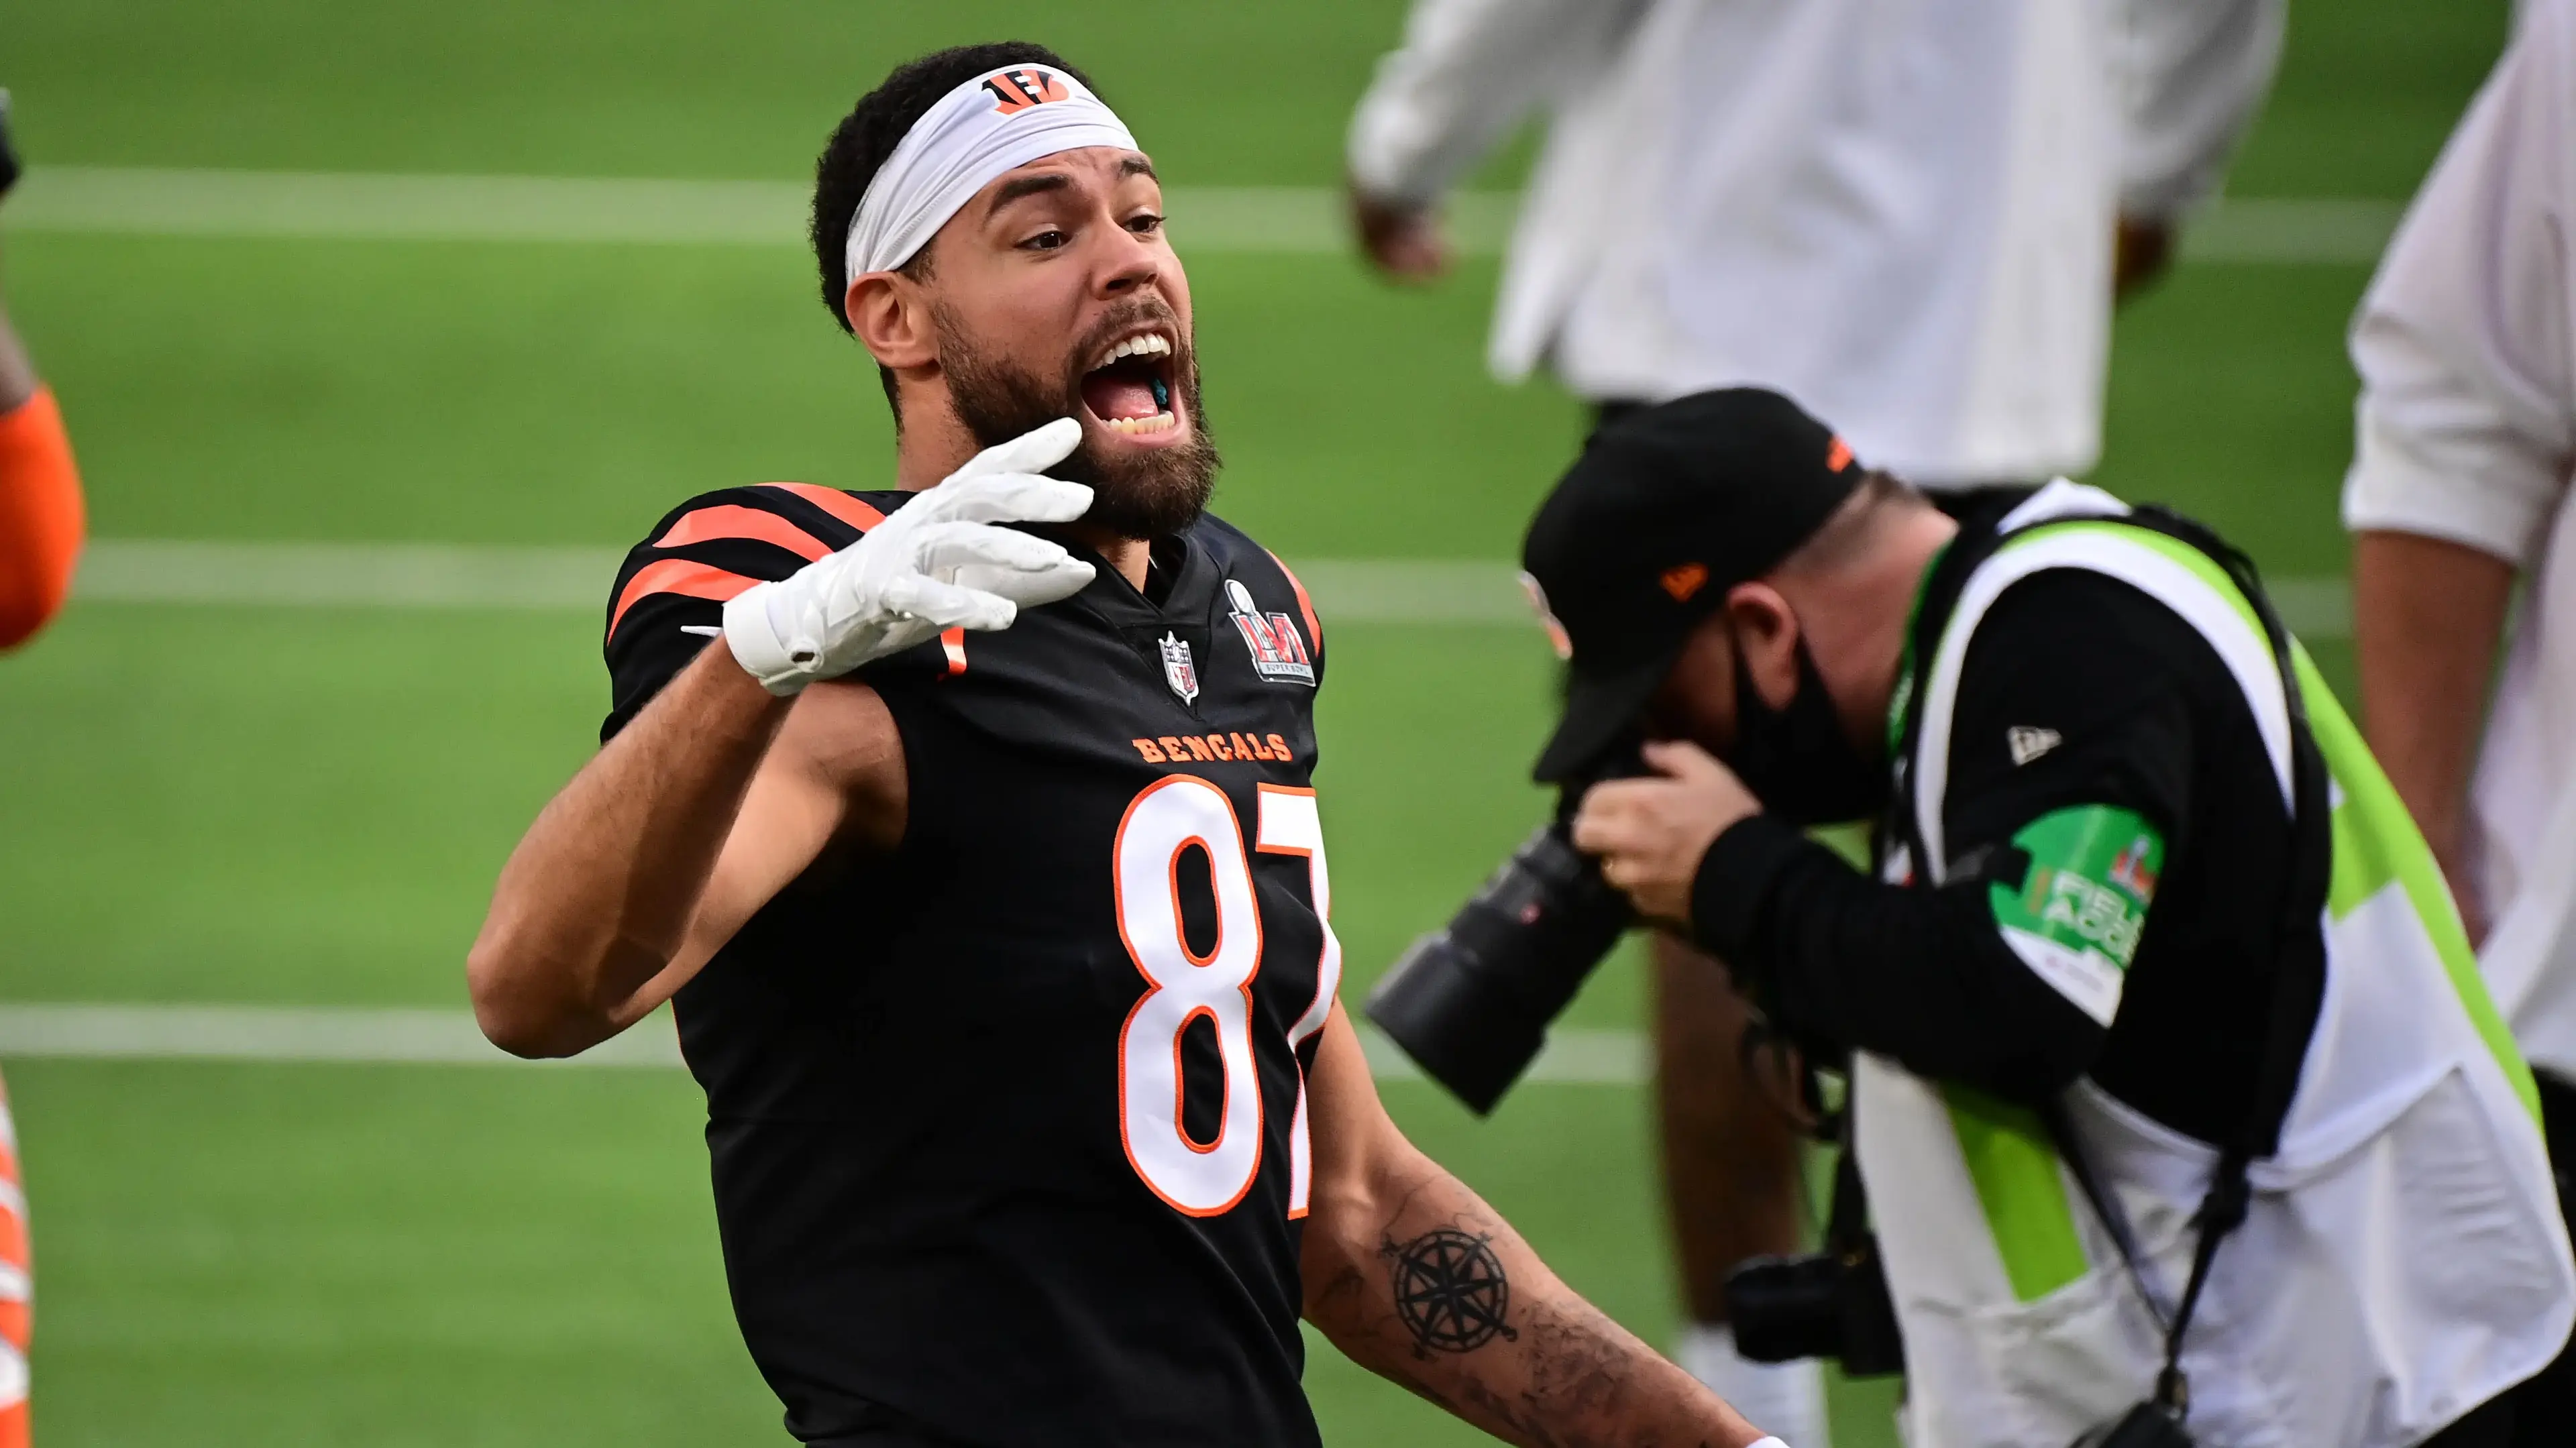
x,y
930,447
1132,557
934,444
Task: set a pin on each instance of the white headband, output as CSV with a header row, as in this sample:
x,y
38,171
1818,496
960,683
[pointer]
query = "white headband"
x,y
976,132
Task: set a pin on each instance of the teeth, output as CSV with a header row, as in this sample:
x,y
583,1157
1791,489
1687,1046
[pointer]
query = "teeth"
x,y
1142,426
1149,345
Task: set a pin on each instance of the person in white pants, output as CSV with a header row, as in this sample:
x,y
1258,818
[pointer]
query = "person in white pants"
x,y
1910,217
2466,346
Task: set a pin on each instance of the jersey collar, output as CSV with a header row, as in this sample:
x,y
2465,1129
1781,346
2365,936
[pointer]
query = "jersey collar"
x,y
1191,598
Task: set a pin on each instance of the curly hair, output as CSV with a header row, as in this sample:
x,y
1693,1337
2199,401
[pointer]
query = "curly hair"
x,y
866,136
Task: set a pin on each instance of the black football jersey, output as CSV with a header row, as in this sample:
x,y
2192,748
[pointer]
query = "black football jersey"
x,y
1008,1130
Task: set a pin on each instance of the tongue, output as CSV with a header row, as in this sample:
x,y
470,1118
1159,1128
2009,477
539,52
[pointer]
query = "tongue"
x,y
1118,394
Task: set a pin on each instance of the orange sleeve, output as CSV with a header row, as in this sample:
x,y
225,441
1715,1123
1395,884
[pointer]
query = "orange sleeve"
x,y
41,518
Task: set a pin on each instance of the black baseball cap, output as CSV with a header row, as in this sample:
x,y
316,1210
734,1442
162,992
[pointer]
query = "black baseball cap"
x,y
1667,509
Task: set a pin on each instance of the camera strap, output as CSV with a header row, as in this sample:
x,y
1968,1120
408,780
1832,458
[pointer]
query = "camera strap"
x,y
2299,972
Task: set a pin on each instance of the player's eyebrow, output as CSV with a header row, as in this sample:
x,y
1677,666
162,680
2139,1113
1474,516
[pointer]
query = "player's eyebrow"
x,y
1020,187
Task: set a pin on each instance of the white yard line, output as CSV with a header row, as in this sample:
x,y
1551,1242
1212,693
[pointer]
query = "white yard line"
x,y
287,1033
413,1036
438,575
1287,220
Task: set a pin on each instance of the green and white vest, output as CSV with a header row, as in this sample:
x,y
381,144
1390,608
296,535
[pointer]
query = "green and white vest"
x,y
2404,1258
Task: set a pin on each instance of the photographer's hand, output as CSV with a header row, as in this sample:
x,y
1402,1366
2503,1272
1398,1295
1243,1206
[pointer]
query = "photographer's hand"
x,y
1651,832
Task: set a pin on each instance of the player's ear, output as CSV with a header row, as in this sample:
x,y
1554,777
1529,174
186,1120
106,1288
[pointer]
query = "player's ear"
x,y
1766,633
891,318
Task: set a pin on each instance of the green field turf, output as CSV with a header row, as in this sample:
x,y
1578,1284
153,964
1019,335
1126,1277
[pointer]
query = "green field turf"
x,y
226,804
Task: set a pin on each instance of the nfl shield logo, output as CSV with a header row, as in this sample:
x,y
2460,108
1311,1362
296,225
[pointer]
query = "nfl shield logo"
x,y
1178,670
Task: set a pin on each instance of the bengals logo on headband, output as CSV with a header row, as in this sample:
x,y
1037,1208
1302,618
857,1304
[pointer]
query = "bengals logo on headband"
x,y
1021,87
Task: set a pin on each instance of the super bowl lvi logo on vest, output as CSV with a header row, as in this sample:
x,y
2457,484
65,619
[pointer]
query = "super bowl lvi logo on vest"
x,y
1278,650
1179,670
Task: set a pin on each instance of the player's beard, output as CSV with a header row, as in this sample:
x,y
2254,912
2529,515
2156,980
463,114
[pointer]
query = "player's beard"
x,y
1144,493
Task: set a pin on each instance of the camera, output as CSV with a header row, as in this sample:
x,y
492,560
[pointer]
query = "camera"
x,y
1831,1305
1471,1002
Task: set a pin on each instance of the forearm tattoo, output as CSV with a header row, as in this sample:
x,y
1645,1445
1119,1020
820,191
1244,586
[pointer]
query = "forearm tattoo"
x,y
1450,1290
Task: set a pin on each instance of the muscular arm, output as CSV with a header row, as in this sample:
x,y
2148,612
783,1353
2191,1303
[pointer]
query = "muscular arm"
x,y
1417,1279
2427,615
714,798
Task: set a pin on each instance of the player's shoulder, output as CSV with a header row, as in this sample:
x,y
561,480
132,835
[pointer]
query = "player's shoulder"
x,y
719,543
1237,555
803,520
1224,541
669,594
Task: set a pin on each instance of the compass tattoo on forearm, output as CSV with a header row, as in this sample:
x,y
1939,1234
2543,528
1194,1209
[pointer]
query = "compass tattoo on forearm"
x,y
1450,1291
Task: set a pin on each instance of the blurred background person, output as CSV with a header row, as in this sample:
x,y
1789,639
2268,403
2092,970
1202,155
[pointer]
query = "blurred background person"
x,y
40,538
1913,219
40,497
2466,346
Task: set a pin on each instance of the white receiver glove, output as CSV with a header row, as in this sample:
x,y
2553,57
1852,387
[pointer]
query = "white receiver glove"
x,y
939,562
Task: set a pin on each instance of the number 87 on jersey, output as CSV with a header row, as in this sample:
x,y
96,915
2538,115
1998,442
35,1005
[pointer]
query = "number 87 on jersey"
x,y
1172,815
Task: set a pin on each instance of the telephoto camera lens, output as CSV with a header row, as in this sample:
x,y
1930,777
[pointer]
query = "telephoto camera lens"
x,y
1471,1002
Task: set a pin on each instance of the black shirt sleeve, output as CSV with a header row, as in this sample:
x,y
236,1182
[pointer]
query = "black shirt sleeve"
x,y
2103,681
667,602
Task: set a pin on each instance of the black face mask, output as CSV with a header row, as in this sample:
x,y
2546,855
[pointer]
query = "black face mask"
x,y
1797,760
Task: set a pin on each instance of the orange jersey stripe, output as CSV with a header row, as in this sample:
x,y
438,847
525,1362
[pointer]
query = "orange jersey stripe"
x,y
678,575
1305,605
953,643
41,517
730,521
835,502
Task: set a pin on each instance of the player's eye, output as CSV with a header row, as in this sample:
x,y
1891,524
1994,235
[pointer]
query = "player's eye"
x,y
1145,223
1049,240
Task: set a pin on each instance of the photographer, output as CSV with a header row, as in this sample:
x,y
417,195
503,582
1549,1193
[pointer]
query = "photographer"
x,y
2180,1109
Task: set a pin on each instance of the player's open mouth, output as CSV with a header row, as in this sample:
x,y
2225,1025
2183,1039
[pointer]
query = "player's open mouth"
x,y
1130,389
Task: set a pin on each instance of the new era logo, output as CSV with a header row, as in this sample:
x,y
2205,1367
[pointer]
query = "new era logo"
x,y
2027,743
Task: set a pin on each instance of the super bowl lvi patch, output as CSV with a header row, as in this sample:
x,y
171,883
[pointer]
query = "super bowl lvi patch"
x,y
1278,650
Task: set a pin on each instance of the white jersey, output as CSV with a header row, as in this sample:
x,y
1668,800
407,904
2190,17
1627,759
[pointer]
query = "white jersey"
x,y
2466,345
1899,212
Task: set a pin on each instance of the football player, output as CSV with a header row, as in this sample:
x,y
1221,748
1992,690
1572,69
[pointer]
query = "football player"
x,y
982,866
